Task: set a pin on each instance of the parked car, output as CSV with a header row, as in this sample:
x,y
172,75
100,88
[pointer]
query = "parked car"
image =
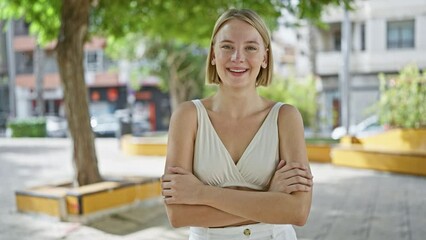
x,y
367,127
135,124
105,125
56,126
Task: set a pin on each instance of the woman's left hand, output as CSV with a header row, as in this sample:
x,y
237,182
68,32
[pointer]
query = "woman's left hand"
x,y
291,177
180,186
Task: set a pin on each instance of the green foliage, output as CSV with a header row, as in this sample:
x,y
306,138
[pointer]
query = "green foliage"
x,y
186,22
209,90
189,21
126,47
179,61
29,127
42,14
403,98
319,140
301,94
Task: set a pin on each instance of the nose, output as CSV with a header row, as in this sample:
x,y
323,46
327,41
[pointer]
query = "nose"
x,y
237,56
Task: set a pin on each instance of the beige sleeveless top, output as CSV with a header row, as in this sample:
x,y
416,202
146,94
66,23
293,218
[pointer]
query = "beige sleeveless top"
x,y
213,164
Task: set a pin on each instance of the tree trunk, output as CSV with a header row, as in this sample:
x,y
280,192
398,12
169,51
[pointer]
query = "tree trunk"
x,y
173,88
74,27
180,87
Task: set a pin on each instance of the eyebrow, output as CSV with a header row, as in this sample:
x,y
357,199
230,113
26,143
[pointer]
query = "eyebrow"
x,y
229,41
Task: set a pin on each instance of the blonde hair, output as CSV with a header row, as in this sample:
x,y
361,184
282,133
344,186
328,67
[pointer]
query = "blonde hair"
x,y
252,18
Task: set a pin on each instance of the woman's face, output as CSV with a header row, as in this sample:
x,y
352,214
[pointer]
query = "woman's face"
x,y
238,53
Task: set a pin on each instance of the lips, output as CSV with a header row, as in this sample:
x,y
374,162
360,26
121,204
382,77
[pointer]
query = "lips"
x,y
237,70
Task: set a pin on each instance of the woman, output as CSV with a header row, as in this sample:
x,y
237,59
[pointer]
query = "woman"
x,y
224,176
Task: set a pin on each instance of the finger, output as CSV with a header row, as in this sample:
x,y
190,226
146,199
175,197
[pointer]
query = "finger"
x,y
291,173
299,180
296,172
288,167
166,193
298,188
281,164
167,177
170,200
292,165
166,185
179,170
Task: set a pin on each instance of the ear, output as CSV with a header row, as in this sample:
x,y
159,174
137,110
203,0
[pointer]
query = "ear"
x,y
265,59
213,61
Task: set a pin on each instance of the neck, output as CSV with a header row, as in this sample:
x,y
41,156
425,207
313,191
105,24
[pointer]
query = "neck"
x,y
237,104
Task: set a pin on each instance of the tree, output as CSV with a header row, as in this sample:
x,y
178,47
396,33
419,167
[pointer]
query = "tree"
x,y
402,98
301,94
71,22
181,66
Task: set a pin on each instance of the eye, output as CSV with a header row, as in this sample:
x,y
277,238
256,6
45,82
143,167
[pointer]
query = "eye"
x,y
251,48
227,47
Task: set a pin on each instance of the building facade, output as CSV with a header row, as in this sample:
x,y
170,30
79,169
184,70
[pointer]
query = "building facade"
x,y
31,60
4,87
107,82
386,35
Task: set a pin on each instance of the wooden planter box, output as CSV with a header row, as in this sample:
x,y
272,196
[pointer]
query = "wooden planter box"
x,y
396,150
88,202
147,146
319,152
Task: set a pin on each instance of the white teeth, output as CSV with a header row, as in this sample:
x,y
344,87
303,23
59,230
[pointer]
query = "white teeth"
x,y
237,70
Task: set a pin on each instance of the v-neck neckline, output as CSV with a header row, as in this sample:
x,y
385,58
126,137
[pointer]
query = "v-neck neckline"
x,y
251,141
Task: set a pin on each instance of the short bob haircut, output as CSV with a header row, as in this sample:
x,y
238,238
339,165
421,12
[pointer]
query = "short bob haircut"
x,y
252,18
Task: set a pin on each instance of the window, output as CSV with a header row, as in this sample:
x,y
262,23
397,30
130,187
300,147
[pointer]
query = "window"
x,y
363,37
24,62
337,40
94,61
400,34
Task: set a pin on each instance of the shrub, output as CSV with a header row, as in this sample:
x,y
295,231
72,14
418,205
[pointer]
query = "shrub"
x,y
30,127
301,94
403,98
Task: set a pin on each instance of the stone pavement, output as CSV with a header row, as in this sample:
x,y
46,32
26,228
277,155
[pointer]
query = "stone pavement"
x,y
348,204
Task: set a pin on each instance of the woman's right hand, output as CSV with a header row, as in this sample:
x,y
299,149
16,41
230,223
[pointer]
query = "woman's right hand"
x,y
291,177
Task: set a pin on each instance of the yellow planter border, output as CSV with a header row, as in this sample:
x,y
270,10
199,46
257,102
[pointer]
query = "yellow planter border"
x,y
83,203
390,161
319,153
147,146
31,201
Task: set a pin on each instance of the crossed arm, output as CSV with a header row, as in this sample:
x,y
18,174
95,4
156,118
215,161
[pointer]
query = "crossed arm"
x,y
189,202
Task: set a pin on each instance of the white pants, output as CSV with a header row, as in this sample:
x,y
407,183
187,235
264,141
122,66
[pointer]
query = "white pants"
x,y
260,231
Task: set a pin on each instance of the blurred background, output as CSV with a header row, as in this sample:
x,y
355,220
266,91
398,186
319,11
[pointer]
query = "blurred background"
x,y
355,69
130,82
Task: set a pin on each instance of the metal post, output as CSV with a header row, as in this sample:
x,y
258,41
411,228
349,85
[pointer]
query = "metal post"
x,y
344,74
39,75
11,69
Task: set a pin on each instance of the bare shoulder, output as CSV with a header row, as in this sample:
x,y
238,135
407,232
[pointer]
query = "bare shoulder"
x,y
183,121
291,134
181,137
289,115
185,112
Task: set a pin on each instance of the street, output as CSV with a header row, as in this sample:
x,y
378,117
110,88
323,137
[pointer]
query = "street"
x,y
348,203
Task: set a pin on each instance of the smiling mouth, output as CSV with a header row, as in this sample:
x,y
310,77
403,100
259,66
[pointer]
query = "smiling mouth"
x,y
237,70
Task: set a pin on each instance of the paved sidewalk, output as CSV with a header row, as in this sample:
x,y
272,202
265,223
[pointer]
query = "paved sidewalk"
x,y
348,203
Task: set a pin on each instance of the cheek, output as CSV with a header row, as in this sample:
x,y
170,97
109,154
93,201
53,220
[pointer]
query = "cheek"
x,y
256,63
219,56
